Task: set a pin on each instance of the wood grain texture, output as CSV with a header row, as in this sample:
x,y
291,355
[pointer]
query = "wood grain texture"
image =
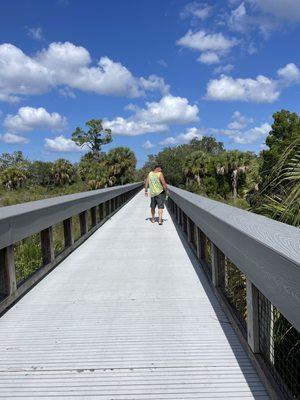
x,y
124,318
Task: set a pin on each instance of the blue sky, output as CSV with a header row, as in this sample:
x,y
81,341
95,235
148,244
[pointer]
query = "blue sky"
x,y
158,73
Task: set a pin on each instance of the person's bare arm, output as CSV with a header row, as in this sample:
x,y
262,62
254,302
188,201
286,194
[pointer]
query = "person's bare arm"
x,y
163,182
146,186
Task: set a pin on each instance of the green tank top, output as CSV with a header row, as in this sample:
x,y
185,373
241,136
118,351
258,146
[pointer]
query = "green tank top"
x,y
155,184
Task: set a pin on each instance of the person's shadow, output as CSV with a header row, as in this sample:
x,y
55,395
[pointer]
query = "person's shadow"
x,y
155,219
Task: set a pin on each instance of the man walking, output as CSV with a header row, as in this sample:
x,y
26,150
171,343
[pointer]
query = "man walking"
x,y
158,189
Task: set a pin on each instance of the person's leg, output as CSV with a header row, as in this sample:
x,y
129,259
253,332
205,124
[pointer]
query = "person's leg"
x,y
160,215
152,206
161,205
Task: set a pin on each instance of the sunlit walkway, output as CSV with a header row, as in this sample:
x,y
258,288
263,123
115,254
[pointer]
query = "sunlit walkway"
x,y
125,316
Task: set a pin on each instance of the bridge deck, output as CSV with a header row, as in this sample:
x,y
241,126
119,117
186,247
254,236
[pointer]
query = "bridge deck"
x,y
125,316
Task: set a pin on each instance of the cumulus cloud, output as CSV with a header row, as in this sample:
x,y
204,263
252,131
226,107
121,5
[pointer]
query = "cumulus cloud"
x,y
131,127
209,57
61,144
30,119
182,138
64,64
261,89
249,136
11,138
155,117
224,69
211,46
239,121
290,73
147,145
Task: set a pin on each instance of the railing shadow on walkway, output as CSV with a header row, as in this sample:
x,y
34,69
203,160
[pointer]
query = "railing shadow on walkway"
x,y
219,311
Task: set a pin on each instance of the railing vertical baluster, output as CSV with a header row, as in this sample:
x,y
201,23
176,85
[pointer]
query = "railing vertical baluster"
x,y
83,223
8,272
252,316
68,232
47,245
94,216
188,228
203,243
198,243
218,265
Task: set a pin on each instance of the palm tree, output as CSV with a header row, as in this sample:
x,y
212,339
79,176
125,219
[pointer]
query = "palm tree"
x,y
121,163
195,166
63,172
13,177
283,202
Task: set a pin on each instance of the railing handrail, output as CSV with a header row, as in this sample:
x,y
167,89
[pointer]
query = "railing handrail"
x,y
266,251
20,221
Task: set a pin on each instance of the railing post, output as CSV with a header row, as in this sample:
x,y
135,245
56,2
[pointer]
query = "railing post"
x,y
68,232
203,243
47,245
8,281
109,206
218,264
83,223
94,216
198,243
188,228
252,316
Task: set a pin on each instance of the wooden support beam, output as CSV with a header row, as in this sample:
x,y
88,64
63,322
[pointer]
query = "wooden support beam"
x,y
218,265
83,223
252,316
68,232
203,243
47,245
94,216
8,281
189,225
198,243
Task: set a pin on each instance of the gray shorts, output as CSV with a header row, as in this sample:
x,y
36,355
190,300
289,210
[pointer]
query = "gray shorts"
x,y
158,201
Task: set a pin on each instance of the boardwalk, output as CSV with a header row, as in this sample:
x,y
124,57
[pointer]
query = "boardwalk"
x,y
125,316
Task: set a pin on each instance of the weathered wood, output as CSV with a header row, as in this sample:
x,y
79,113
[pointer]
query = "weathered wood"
x,y
68,232
94,216
252,316
8,281
218,264
47,245
189,229
203,245
198,243
83,223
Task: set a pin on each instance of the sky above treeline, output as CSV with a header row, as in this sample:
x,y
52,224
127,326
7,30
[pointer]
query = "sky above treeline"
x,y
159,73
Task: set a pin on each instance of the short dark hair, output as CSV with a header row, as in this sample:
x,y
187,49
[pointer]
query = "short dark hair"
x,y
157,166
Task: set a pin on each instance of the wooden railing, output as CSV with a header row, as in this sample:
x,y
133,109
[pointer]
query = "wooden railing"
x,y
24,220
253,264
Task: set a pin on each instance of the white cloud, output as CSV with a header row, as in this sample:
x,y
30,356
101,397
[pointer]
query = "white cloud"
x,y
169,110
11,138
212,46
238,18
196,10
62,144
182,138
155,117
131,127
209,57
35,33
67,92
282,9
68,65
250,136
162,62
203,41
224,69
147,145
260,90
239,121
29,119
290,73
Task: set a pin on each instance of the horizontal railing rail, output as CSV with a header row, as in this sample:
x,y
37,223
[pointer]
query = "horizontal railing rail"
x,y
253,263
27,233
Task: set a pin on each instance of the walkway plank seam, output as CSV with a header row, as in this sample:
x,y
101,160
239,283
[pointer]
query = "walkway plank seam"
x,y
125,316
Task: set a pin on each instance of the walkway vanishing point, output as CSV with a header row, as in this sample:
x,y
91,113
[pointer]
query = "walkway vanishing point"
x,y
128,314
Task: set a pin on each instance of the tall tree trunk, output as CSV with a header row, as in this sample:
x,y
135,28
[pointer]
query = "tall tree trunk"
x,y
234,177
